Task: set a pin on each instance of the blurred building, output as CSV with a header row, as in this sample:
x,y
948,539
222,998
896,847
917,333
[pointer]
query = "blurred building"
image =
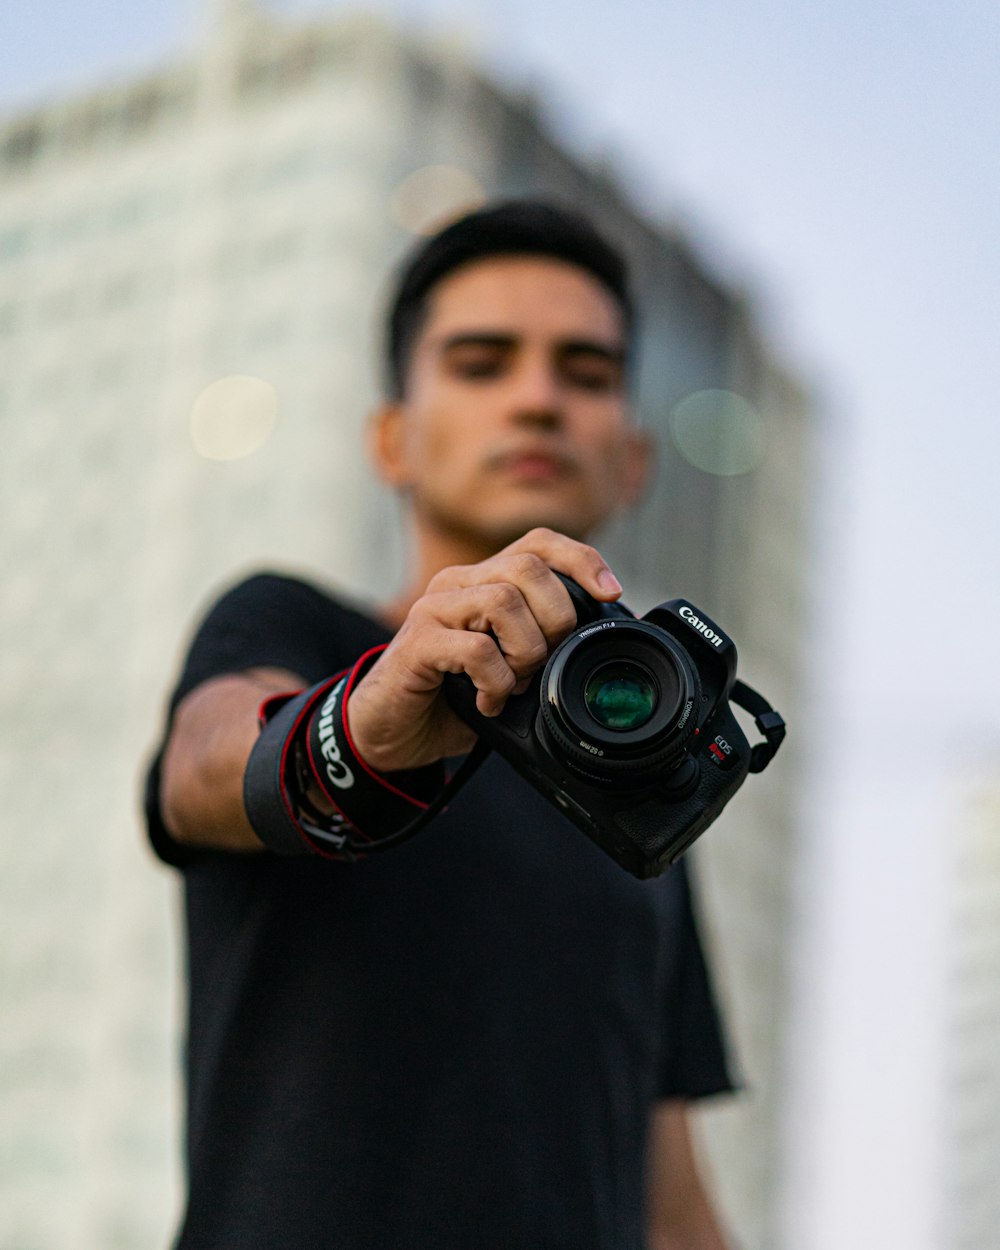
x,y
191,274
970,1145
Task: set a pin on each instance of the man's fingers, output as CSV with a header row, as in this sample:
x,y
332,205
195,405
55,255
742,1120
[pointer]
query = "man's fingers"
x,y
544,597
583,563
492,676
497,608
435,649
495,621
528,564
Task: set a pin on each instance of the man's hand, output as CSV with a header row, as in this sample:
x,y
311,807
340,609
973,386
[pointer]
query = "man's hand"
x,y
497,621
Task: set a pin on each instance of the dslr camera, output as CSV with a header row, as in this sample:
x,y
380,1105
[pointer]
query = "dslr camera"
x,y
629,730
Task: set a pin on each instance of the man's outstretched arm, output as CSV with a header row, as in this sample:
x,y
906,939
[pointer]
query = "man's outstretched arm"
x,y
495,621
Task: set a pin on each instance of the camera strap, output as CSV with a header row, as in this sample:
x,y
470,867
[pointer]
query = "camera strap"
x,y
769,722
304,785
451,787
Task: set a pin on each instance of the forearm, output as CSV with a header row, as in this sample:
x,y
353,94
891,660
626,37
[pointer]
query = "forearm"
x,y
214,730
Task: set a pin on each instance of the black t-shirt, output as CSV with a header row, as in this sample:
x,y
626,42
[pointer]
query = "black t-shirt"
x,y
452,1046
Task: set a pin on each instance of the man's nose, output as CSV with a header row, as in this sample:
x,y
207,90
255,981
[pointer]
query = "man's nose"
x,y
538,399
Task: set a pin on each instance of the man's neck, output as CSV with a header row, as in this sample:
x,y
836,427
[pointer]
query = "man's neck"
x,y
433,550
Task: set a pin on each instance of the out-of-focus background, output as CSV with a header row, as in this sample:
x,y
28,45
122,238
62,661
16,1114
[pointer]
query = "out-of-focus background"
x,y
199,207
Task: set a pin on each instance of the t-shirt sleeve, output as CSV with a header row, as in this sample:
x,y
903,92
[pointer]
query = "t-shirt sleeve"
x,y
267,621
695,1060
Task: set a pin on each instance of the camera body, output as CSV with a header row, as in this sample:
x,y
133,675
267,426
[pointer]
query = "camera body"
x,y
628,728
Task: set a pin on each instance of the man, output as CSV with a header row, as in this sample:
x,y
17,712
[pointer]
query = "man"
x,y
486,1038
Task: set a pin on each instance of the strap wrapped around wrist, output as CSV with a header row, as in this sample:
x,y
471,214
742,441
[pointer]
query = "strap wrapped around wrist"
x,y
272,807
305,747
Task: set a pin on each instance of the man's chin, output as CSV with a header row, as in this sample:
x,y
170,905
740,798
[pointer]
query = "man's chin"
x,y
502,531
488,530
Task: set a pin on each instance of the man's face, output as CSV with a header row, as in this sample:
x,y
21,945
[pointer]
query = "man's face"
x,y
514,413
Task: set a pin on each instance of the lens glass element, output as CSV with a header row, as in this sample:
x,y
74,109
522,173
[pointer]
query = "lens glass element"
x,y
621,695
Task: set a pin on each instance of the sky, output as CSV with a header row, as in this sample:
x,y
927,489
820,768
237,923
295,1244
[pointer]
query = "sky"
x,y
839,162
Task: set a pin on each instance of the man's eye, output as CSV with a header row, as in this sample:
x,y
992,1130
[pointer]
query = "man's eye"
x,y
478,366
592,377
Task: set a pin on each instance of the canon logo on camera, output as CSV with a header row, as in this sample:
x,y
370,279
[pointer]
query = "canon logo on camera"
x,y
698,624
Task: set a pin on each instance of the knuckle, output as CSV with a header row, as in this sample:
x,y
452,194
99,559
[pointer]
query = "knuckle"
x,y
483,649
536,652
444,579
540,534
505,596
504,678
565,618
528,566
419,614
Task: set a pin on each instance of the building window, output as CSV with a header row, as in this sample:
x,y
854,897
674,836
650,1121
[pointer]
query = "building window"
x,y
142,108
89,124
271,72
22,144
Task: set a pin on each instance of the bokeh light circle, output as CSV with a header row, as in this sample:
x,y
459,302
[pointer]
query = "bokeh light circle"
x,y
719,432
233,417
430,197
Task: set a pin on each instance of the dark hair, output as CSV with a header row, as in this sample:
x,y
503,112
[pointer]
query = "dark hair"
x,y
516,227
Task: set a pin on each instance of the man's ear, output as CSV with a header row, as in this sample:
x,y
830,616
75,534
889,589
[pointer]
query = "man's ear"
x,y
637,468
387,444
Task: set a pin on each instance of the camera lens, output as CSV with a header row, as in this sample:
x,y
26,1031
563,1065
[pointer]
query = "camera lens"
x,y
621,695
617,700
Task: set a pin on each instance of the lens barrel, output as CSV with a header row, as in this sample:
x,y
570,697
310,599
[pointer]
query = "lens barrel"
x,y
618,698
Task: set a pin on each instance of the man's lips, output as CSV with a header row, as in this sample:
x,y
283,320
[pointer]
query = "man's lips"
x,y
535,466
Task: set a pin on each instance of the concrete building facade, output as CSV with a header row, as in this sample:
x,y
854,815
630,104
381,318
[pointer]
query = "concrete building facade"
x,y
969,1147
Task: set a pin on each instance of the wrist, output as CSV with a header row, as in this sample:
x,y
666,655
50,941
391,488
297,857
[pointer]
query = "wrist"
x,y
360,723
307,788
